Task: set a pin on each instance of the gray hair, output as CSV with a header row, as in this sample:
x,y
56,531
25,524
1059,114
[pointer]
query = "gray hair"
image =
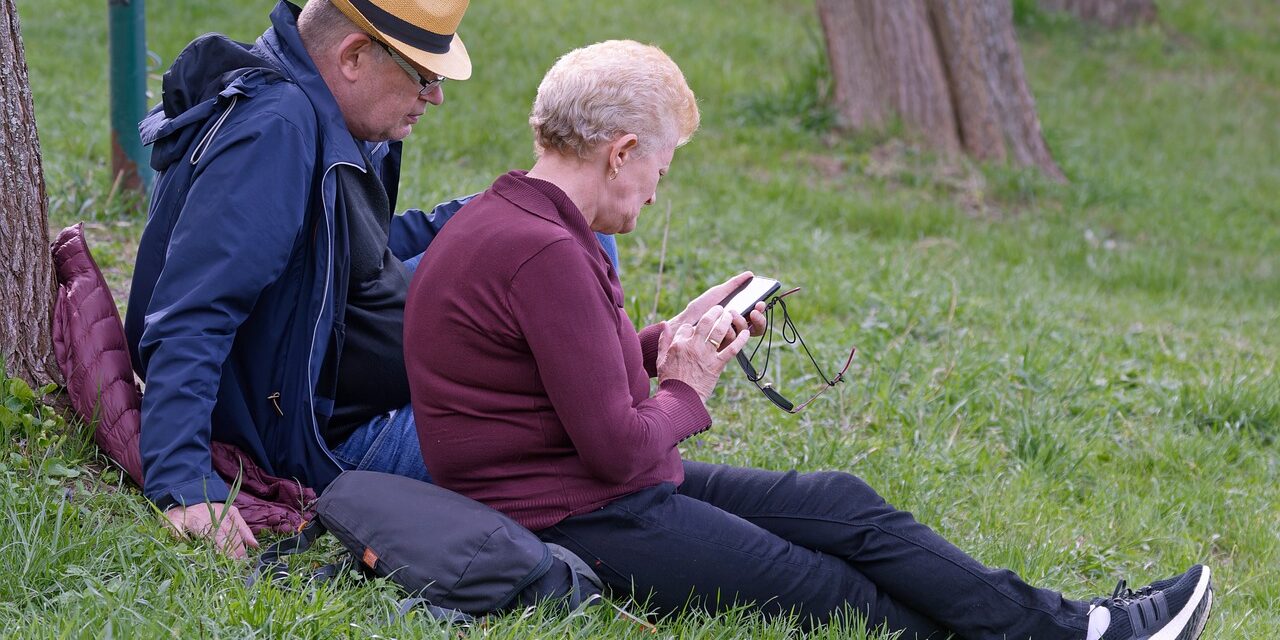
x,y
594,94
323,26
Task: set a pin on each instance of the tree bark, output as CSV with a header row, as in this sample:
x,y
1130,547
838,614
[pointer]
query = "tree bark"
x,y
950,69
996,113
1113,14
26,266
886,63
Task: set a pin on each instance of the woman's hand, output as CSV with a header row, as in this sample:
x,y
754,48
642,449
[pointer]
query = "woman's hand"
x,y
757,321
692,353
715,295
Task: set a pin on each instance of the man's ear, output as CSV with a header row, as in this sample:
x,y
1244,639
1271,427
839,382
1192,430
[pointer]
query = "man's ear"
x,y
620,151
354,55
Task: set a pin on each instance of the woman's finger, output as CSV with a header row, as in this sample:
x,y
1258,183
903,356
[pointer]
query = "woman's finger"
x,y
699,305
709,319
758,321
714,325
723,331
684,332
665,336
737,325
734,347
725,288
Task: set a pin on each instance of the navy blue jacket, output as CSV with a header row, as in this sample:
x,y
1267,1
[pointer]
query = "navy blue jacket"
x,y
243,262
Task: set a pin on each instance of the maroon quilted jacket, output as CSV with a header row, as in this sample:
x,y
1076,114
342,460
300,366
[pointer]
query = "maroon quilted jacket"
x,y
90,346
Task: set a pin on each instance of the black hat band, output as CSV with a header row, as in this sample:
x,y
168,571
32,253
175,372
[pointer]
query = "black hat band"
x,y
403,30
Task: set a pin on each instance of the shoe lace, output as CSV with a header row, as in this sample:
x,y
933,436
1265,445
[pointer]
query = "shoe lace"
x,y
1124,595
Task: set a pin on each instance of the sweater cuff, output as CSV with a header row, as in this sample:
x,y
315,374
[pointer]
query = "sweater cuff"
x,y
683,407
207,488
649,347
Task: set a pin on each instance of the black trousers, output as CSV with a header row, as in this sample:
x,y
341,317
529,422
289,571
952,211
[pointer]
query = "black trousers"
x,y
811,544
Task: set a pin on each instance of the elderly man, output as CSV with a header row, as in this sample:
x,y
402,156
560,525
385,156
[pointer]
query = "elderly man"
x,y
268,297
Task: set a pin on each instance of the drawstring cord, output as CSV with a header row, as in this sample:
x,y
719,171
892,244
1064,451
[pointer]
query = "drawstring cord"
x,y
198,152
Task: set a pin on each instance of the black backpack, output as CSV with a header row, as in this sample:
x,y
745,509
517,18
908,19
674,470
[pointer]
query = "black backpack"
x,y
455,557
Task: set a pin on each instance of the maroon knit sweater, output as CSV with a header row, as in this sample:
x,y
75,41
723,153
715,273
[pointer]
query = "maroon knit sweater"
x,y
530,385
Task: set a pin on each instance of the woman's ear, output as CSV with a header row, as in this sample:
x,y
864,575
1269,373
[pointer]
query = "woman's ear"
x,y
620,152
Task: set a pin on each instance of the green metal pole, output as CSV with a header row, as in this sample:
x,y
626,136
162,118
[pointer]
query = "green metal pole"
x,y
127,33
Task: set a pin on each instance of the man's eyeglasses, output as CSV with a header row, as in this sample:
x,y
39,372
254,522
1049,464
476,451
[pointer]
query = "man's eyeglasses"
x,y
427,85
791,336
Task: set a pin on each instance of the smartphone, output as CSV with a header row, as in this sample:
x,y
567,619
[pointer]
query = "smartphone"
x,y
745,297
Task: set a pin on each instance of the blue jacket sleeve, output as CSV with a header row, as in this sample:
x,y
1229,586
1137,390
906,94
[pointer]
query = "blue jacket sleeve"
x,y
414,229
242,217
610,245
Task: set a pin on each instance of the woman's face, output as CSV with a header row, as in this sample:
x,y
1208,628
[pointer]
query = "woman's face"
x,y
635,187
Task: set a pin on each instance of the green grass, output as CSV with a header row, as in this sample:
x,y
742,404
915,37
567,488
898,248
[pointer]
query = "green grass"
x,y
1076,382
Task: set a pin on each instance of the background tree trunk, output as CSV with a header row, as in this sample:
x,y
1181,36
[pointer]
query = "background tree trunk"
x,y
26,267
1113,14
950,69
994,108
885,61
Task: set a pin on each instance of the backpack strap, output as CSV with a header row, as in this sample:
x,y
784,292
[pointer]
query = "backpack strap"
x,y
272,564
441,614
583,596
578,597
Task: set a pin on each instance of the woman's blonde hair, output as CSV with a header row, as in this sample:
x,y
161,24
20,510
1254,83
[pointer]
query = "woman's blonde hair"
x,y
594,94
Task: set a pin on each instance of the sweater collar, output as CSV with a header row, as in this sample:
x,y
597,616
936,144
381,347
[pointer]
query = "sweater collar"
x,y
547,201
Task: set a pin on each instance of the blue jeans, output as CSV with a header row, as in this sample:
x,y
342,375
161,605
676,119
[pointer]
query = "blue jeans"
x,y
387,443
805,543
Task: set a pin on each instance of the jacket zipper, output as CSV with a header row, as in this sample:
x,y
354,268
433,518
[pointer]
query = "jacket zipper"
x,y
328,284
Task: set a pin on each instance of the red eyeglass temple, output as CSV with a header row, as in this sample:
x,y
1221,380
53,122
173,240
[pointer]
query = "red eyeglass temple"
x,y
848,362
834,381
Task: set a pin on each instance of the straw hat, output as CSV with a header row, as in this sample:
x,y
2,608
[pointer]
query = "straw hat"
x,y
423,31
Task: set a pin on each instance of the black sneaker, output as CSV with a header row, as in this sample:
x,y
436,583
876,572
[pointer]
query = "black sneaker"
x,y
1173,609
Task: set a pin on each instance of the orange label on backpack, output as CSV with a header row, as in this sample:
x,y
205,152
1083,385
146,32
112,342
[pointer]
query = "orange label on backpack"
x,y
370,557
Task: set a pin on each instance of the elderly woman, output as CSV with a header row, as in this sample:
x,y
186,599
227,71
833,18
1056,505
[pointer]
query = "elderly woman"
x,y
531,390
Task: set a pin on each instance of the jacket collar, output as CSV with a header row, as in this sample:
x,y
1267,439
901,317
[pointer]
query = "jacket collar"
x,y
547,201
283,43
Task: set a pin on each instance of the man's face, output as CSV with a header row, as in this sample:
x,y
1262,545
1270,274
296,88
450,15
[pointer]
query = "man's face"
x,y
388,100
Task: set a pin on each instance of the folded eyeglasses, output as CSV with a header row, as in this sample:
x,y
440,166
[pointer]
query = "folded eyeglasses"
x,y
790,335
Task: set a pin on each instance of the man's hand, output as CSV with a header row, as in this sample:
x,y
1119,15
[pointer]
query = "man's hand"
x,y
714,296
214,520
692,353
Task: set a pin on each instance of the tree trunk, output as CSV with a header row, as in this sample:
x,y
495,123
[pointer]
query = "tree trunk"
x,y
886,63
994,107
26,267
1113,14
950,69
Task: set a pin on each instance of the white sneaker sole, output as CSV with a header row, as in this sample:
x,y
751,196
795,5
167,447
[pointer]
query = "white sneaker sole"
x,y
1190,621
1203,617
